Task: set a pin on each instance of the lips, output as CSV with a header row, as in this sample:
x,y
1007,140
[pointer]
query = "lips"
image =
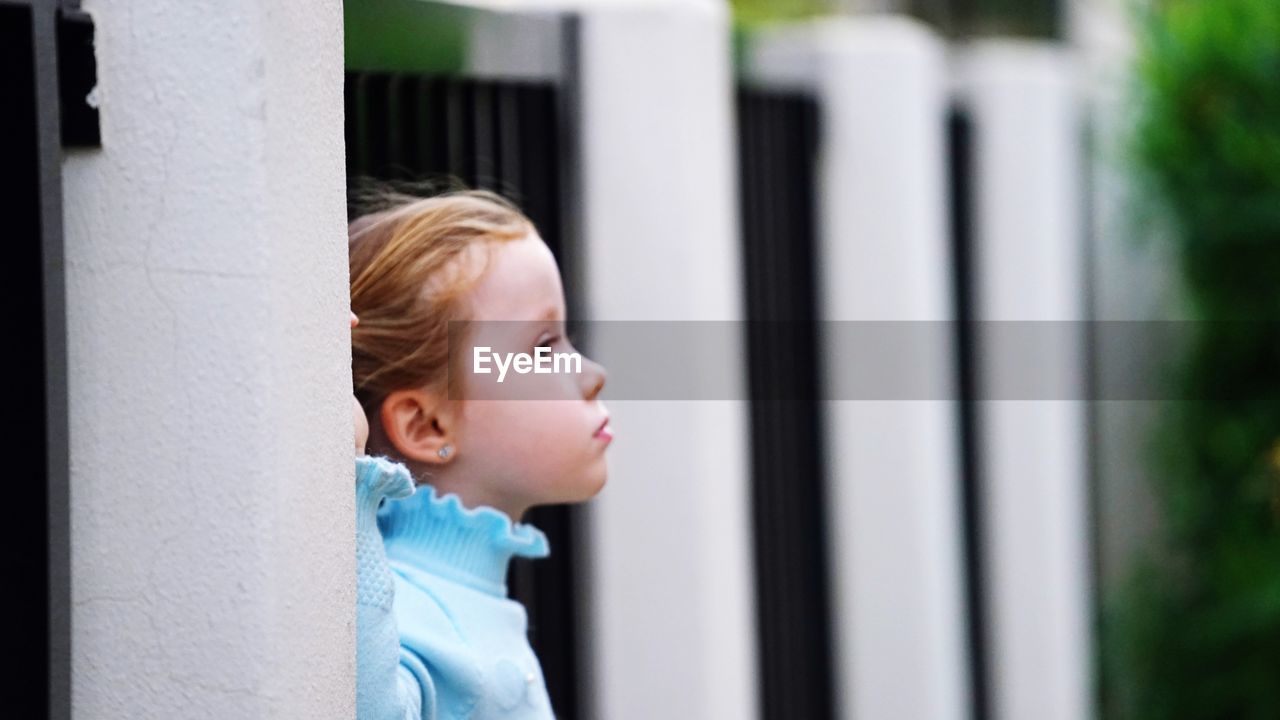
x,y
604,432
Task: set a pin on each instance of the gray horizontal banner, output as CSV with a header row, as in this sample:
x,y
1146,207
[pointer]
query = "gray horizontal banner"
x,y
782,361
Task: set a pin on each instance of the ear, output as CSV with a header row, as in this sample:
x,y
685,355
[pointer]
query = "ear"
x,y
418,423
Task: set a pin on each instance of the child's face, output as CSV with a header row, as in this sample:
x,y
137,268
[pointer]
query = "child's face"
x,y
535,435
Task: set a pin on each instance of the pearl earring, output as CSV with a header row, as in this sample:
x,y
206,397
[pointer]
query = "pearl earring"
x,y
445,451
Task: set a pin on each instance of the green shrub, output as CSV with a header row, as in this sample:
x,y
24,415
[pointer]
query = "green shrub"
x,y
1195,631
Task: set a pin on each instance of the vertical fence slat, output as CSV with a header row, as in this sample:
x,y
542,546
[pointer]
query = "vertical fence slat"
x,y
777,201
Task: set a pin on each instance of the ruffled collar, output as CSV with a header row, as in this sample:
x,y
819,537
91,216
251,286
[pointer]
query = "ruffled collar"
x,y
471,545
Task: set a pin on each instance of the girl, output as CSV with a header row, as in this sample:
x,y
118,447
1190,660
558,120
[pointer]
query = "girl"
x,y
457,457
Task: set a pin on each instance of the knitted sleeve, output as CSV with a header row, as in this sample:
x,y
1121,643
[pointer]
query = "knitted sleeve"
x,y
391,682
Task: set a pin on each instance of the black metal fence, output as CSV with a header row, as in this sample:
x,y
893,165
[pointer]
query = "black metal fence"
x,y
47,68
778,139
961,187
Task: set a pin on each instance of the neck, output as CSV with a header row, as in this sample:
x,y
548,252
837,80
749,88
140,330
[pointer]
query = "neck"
x,y
474,492
435,531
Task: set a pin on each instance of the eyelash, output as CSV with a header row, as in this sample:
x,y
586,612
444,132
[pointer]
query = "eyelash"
x,y
553,339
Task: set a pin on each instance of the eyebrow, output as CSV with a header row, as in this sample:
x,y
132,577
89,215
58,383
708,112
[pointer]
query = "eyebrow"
x,y
549,313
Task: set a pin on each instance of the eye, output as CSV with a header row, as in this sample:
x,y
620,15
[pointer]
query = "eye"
x,y
547,343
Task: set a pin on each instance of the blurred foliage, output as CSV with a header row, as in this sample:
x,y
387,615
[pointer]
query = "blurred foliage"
x,y
1195,631
986,18
748,13
957,18
406,35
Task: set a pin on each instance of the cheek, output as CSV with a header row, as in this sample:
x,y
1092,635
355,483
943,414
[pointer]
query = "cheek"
x,y
531,433
560,436
555,426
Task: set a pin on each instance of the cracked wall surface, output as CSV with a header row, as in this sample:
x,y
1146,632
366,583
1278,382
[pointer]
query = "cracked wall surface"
x,y
209,364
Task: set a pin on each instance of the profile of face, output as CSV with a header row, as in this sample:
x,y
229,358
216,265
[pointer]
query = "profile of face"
x,y
534,438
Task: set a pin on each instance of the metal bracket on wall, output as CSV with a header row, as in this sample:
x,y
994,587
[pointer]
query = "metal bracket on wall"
x,y
77,80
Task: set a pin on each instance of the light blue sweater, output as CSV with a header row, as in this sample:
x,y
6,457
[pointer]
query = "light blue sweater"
x,y
437,637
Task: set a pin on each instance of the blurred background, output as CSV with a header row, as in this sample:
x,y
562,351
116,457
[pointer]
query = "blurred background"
x,y
1107,169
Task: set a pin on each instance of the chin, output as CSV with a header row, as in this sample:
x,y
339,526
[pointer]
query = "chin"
x,y
594,486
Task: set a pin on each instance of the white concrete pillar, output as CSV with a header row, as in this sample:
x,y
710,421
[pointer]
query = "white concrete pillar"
x,y
673,621
1028,250
213,565
884,254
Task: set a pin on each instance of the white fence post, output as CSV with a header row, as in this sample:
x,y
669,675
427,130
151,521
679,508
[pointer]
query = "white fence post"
x,y
1028,266
673,617
884,254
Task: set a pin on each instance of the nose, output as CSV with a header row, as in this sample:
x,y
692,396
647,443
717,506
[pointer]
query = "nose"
x,y
594,376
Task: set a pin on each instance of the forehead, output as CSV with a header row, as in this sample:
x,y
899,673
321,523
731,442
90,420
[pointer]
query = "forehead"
x,y
520,282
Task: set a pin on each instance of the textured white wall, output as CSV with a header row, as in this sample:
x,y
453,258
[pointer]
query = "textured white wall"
x,y
211,476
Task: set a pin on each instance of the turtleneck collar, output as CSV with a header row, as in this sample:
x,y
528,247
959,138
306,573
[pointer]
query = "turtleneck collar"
x,y
471,545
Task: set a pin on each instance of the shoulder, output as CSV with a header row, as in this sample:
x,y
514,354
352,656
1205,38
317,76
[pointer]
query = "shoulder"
x,y
380,476
436,640
475,646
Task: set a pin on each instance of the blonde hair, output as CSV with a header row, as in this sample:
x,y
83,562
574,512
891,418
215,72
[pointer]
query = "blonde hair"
x,y
412,262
